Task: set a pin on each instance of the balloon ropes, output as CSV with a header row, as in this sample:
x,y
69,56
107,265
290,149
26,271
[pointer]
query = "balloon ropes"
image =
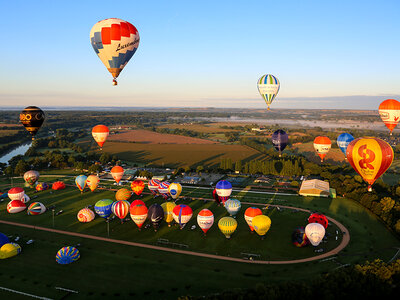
x,y
268,86
32,118
115,41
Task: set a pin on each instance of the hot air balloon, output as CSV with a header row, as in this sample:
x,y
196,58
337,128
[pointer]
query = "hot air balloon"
x,y
67,255
58,185
31,177
233,206
123,194
32,118
3,239
81,182
15,206
315,232
9,250
175,190
25,198
121,209
224,190
249,214
92,182
137,186
163,189
389,110
137,202
227,225
261,224
16,193
182,214
370,157
205,219
138,214
114,41
343,141
156,215
299,238
103,207
216,197
153,186
168,208
85,215
318,218
42,186
117,172
36,208
322,144
268,86
280,140
100,134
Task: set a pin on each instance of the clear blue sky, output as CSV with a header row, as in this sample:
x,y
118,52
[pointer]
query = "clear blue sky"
x,y
203,53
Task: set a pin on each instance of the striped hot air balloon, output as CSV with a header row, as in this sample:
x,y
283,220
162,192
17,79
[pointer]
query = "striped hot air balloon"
x,y
370,157
233,206
249,214
168,208
163,189
92,182
81,182
182,214
205,219
115,41
15,206
227,225
153,186
268,86
138,214
67,255
36,208
123,194
16,193
85,215
103,207
224,190
322,145
121,209
137,186
117,172
100,134
389,110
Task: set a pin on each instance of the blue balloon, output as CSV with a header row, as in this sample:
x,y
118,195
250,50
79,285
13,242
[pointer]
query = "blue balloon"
x,y
280,140
103,207
3,239
343,141
224,189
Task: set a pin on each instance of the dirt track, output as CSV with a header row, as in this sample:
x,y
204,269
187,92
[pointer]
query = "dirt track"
x,y
342,245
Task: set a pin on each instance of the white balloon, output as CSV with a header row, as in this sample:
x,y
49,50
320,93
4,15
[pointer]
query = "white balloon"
x,y
315,232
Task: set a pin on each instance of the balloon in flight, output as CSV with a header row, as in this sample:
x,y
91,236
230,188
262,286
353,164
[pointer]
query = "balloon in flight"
x,y
80,182
268,87
100,134
32,118
117,172
121,209
115,41
123,194
322,145
163,189
343,141
389,110
370,157
280,140
92,182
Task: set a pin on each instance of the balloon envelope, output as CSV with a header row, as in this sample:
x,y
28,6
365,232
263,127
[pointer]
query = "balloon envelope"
x,y
31,177
115,41
42,186
175,190
216,197
249,214
318,218
299,237
261,224
117,172
168,208
227,225
85,215
32,118
343,141
268,87
123,194
156,215
58,185
153,186
370,157
163,189
3,239
100,134
322,145
139,214
67,255
15,206
103,207
389,110
92,182
224,190
9,250
233,206
315,232
280,140
182,214
36,208
80,182
121,209
16,193
205,219
137,186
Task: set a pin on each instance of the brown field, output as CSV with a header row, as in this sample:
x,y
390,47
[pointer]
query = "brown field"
x,y
202,128
7,132
334,155
175,155
150,137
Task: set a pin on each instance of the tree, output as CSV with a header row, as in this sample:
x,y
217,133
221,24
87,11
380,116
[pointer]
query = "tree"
x,y
21,167
9,171
105,158
387,204
238,166
199,169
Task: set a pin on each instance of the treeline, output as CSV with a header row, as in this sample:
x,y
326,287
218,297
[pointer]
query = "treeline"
x,y
179,131
373,280
11,141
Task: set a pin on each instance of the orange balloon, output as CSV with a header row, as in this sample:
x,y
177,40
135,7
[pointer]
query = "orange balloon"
x,y
322,145
370,157
100,134
117,172
389,110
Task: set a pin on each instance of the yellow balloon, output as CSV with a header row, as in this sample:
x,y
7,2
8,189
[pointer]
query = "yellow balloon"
x,y
92,182
261,224
9,250
168,207
227,225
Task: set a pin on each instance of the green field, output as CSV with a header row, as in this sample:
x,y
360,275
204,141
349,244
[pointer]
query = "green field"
x,y
112,270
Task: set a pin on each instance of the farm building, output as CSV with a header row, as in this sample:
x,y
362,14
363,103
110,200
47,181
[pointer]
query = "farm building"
x,y
315,187
262,179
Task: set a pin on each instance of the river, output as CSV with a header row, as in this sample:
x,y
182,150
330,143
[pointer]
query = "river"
x,y
17,151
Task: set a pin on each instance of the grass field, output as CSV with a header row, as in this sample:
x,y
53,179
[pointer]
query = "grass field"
x,y
334,155
7,132
111,270
173,155
201,128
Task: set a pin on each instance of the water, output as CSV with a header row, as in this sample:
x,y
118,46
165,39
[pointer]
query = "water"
x,y
17,151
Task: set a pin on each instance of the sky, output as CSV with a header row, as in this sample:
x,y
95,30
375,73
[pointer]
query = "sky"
x,y
326,54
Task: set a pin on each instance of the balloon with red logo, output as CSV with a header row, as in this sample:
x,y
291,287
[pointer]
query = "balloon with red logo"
x,y
389,110
318,218
205,219
322,145
138,214
137,186
370,157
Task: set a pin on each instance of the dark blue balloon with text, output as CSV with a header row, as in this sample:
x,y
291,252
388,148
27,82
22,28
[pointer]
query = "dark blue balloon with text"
x,y
280,140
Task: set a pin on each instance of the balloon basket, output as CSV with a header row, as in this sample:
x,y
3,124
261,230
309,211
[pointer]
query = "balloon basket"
x,y
369,188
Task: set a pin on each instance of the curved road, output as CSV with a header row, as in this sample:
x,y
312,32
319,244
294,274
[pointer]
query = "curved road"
x,y
342,245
